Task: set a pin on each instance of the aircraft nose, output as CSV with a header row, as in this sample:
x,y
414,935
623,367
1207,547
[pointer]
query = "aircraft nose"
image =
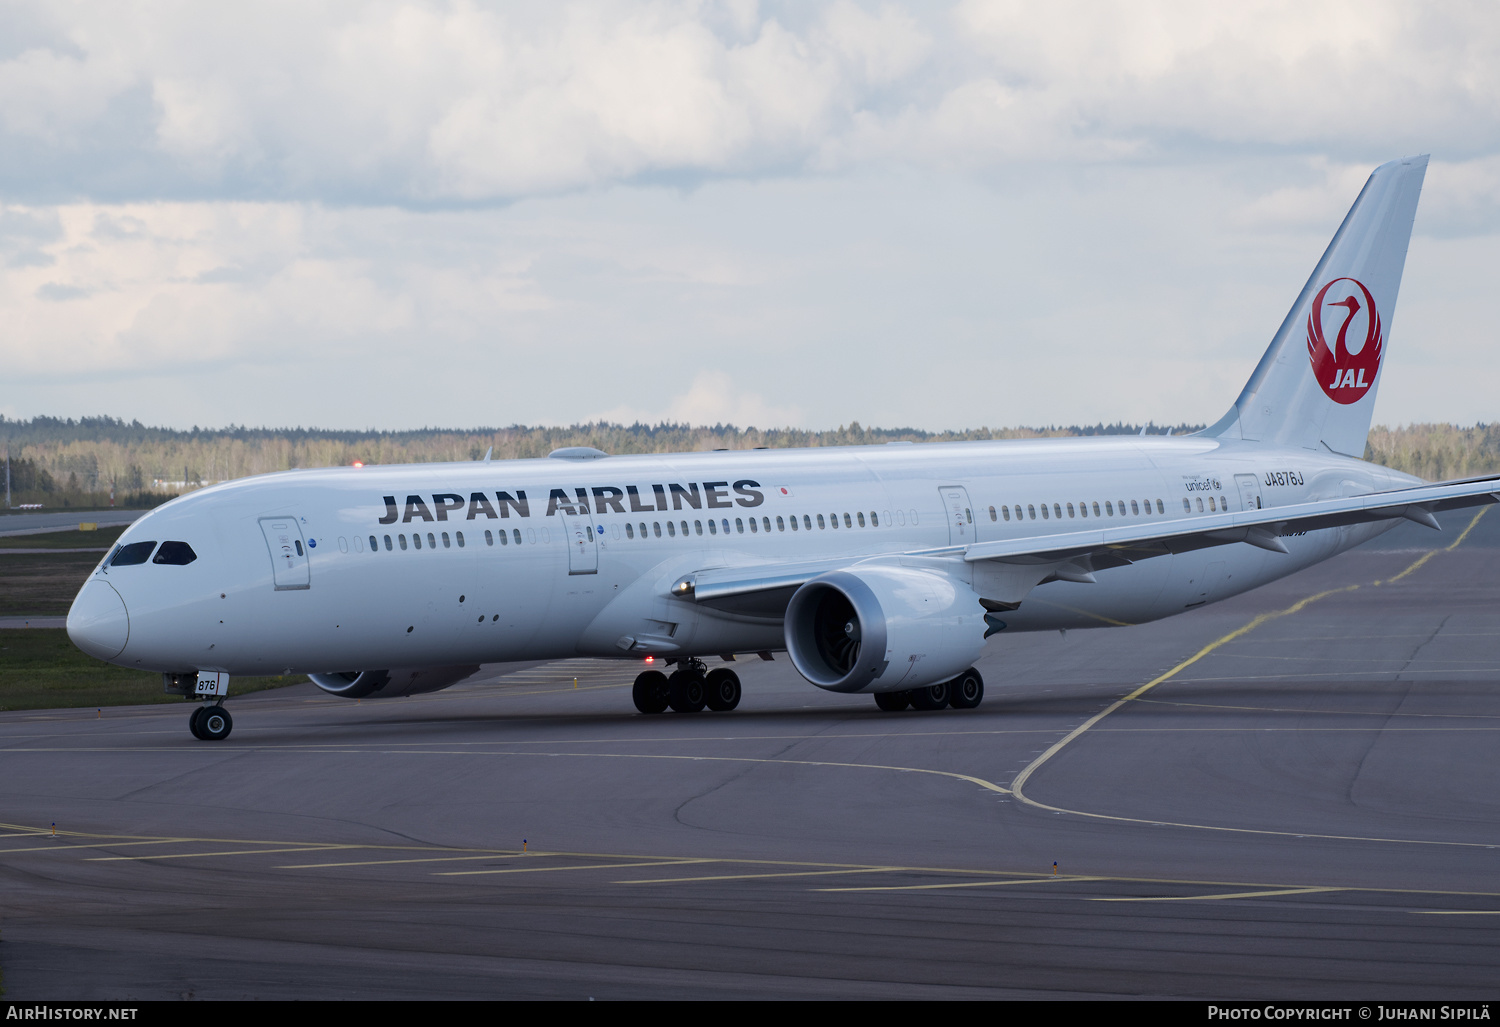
x,y
97,621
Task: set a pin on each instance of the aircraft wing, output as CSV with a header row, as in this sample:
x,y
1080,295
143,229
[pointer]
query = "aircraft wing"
x,y
1002,572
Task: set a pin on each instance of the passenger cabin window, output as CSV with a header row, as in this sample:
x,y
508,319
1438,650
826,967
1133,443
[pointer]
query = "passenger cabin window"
x,y
388,544
177,554
1006,511
516,534
1044,511
993,515
416,540
860,516
374,544
402,539
489,537
629,530
821,524
129,556
1031,511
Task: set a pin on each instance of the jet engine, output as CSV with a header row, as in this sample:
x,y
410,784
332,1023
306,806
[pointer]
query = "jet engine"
x,y
388,684
883,627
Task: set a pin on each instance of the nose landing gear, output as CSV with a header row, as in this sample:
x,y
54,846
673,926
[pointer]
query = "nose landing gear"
x,y
210,723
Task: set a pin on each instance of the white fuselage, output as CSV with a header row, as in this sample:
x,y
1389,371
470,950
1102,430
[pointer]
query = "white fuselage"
x,y
595,578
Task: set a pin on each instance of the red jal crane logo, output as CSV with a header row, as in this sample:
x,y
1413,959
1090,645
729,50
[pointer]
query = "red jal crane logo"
x,y
1346,370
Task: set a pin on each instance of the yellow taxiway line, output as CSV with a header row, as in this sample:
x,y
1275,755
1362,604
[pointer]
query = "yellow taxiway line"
x,y
1018,786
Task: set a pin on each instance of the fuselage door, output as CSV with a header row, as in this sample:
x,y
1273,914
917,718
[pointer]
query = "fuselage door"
x,y
288,552
583,547
1249,486
960,513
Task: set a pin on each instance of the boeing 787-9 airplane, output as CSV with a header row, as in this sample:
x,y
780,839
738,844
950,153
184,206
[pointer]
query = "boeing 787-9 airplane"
x,y
876,569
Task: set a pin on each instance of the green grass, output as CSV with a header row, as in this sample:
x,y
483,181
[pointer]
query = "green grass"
x,y
42,584
40,669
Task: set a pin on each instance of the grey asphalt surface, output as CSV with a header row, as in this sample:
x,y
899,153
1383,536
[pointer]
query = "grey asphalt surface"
x,y
1311,809
42,521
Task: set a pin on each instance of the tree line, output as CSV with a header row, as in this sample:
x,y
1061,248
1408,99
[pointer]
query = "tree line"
x,y
66,462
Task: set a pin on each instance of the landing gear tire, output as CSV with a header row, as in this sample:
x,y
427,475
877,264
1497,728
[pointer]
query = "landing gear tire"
x,y
893,702
966,691
193,723
214,724
650,692
722,690
686,691
933,697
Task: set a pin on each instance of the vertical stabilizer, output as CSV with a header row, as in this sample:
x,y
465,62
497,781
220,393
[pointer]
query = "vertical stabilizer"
x,y
1316,384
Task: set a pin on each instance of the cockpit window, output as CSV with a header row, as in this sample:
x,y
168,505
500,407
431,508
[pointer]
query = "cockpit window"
x,y
136,552
178,554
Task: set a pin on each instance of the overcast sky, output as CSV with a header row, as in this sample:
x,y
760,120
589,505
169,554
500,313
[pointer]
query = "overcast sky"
x,y
391,215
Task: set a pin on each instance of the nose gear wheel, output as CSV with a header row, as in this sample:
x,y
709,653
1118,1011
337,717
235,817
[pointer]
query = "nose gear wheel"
x,y
211,723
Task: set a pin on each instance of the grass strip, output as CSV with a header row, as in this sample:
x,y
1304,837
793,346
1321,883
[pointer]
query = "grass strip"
x,y
41,669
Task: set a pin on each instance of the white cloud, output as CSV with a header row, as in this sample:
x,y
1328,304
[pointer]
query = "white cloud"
x,y
1282,73
714,397
440,101
453,212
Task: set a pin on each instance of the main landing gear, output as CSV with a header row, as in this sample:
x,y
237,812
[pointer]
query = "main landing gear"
x,y
690,688
962,693
211,723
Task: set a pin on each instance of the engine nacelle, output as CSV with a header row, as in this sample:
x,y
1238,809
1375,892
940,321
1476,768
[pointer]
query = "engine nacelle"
x,y
389,684
883,627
